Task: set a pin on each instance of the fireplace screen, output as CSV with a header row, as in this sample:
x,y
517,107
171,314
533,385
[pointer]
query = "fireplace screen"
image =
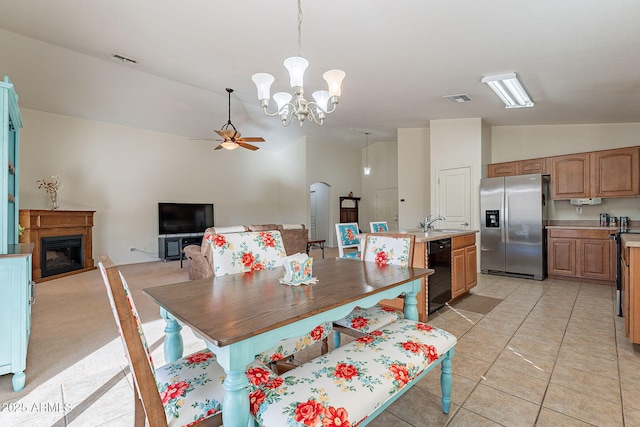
x,y
60,254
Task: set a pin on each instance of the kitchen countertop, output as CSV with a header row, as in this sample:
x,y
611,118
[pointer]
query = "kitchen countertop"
x,y
582,227
630,240
421,236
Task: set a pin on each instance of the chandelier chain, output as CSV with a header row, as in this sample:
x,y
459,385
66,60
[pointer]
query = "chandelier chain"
x,y
299,28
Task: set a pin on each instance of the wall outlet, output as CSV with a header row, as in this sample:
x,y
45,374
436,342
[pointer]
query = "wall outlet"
x,y
131,249
579,210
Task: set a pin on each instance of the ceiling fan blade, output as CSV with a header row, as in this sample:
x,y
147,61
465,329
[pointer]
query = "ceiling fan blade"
x,y
205,139
253,139
247,146
218,147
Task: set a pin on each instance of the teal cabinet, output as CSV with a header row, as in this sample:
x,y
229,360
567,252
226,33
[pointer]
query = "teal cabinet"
x,y
17,293
16,287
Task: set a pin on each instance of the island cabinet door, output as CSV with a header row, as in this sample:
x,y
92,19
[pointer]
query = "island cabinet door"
x,y
471,269
458,273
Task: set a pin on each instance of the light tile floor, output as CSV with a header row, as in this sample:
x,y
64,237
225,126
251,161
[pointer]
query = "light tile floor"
x,y
552,353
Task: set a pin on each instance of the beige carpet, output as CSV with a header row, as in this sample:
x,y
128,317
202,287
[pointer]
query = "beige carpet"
x,y
476,303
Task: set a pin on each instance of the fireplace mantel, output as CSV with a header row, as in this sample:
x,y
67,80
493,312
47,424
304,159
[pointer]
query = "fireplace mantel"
x,y
50,223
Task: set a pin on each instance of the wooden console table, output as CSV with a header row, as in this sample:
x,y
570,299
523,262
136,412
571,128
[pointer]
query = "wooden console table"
x,y
51,223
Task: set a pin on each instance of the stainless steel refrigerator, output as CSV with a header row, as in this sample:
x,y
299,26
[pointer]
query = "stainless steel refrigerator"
x,y
513,213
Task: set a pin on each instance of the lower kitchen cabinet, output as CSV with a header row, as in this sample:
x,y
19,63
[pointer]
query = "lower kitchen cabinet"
x,y
581,254
15,314
464,264
630,270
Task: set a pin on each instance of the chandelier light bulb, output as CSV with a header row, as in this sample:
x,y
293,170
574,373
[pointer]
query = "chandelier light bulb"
x,y
263,82
296,66
334,80
322,99
282,99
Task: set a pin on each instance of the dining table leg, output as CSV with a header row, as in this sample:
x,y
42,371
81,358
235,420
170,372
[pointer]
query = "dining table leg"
x,y
411,302
235,405
173,344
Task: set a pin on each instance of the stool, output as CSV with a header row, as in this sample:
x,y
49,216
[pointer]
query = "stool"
x,y
314,243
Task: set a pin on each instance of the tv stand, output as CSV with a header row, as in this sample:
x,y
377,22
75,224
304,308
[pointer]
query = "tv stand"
x,y
170,246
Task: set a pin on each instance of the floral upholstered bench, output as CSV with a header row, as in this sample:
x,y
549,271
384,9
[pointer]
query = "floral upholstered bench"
x,y
356,382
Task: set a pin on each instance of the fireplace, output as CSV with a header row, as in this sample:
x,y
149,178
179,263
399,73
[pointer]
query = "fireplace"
x,y
60,254
62,242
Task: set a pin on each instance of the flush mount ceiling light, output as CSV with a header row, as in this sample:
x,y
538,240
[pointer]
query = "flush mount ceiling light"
x,y
300,107
509,89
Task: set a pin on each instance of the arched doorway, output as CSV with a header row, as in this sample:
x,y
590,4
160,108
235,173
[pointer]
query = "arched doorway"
x,y
320,205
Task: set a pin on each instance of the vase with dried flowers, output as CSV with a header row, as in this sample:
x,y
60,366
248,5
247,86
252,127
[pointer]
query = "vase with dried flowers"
x,y
51,186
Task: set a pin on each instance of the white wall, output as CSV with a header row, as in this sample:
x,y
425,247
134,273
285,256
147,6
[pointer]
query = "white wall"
x,y
338,166
528,142
413,176
122,173
457,143
383,159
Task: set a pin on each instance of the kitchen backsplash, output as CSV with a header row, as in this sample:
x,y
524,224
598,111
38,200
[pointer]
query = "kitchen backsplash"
x,y
562,210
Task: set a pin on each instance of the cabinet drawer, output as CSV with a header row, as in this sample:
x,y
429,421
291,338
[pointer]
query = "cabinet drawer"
x,y
463,241
579,233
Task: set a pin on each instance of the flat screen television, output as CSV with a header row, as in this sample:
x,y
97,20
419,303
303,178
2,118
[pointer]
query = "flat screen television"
x,y
184,218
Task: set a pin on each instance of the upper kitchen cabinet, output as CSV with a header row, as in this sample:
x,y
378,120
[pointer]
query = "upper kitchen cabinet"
x,y
570,176
541,166
615,173
521,167
502,169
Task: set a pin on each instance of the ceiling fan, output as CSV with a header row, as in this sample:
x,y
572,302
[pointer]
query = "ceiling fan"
x,y
231,138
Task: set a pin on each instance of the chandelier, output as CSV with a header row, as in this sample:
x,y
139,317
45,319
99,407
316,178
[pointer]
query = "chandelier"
x,y
296,105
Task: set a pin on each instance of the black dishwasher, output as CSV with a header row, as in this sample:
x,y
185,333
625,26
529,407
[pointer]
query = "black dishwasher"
x,y
439,283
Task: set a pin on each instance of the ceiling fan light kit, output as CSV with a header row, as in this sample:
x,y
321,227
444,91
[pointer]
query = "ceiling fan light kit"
x,y
325,101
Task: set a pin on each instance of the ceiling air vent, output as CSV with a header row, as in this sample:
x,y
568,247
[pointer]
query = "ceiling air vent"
x,y
124,59
458,98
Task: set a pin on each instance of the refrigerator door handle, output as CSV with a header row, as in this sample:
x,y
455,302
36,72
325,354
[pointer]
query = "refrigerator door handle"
x,y
505,218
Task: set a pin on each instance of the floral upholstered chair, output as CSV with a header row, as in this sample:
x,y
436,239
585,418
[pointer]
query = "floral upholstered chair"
x,y
185,392
258,250
347,233
378,226
383,249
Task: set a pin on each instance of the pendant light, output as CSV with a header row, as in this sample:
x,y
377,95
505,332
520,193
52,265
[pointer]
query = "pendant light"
x,y
367,168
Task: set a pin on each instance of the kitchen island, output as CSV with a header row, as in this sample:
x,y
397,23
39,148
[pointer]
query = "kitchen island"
x,y
464,275
630,270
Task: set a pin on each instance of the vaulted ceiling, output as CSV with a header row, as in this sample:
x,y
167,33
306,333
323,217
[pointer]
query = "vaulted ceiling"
x,y
578,59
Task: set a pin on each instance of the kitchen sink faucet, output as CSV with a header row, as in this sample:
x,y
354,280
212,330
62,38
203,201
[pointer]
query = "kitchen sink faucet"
x,y
428,225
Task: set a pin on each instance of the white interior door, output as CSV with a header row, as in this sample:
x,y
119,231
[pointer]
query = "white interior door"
x,y
454,198
386,208
319,194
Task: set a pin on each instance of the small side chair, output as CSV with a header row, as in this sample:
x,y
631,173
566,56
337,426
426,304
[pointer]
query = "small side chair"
x,y
383,249
347,233
378,226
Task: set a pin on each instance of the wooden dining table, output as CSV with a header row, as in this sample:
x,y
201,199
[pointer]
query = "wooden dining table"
x,y
241,315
